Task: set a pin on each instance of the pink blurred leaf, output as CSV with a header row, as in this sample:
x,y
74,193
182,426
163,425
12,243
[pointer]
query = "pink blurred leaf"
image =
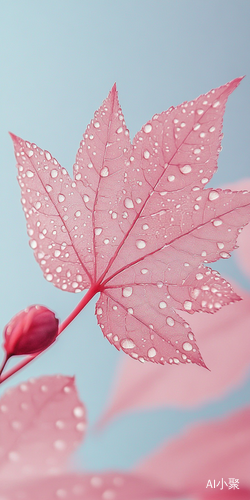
x,y
136,224
102,486
141,387
215,450
41,422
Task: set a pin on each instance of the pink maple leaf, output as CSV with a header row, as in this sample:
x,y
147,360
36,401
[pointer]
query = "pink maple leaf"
x,y
147,387
208,451
137,223
42,421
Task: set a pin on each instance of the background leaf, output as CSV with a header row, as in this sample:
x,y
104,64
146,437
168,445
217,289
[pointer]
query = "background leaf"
x,y
41,421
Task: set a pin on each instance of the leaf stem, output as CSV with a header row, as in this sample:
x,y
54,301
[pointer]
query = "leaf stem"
x,y
87,297
4,363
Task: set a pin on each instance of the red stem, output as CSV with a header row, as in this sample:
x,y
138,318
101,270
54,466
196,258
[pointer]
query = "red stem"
x,y
4,363
87,297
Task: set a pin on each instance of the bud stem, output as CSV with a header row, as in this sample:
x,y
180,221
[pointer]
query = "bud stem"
x,y
87,297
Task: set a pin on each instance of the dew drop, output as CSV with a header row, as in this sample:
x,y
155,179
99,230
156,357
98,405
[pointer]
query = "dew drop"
x,y
217,305
54,173
147,128
152,352
127,344
199,276
99,311
224,255
85,198
216,104
106,241
170,321
128,203
146,155
33,244
186,169
96,481
78,176
144,271
140,244
104,172
96,124
204,180
61,198
130,310
29,174
66,389
61,493
59,445
60,424
171,178
78,412
98,231
114,215
187,346
108,495
213,195
162,305
13,456
49,277
57,253
127,291
145,227
78,213
220,245
81,426
217,222
48,188
187,305
16,425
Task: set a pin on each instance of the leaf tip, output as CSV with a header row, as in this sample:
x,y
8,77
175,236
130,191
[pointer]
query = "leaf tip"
x,y
14,137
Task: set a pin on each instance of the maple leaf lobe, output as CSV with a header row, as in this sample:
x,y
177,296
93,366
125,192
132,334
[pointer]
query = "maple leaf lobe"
x,y
138,221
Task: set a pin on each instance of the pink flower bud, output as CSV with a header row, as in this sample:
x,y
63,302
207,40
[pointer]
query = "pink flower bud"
x,y
30,331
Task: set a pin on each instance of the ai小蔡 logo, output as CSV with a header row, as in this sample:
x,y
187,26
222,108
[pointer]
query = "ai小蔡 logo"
x,y
231,484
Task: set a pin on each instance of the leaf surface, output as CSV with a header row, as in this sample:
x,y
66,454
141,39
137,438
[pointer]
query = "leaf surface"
x,y
148,387
137,223
243,252
41,422
212,450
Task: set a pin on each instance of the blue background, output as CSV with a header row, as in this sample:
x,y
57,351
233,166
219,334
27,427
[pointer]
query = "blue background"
x,y
59,60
